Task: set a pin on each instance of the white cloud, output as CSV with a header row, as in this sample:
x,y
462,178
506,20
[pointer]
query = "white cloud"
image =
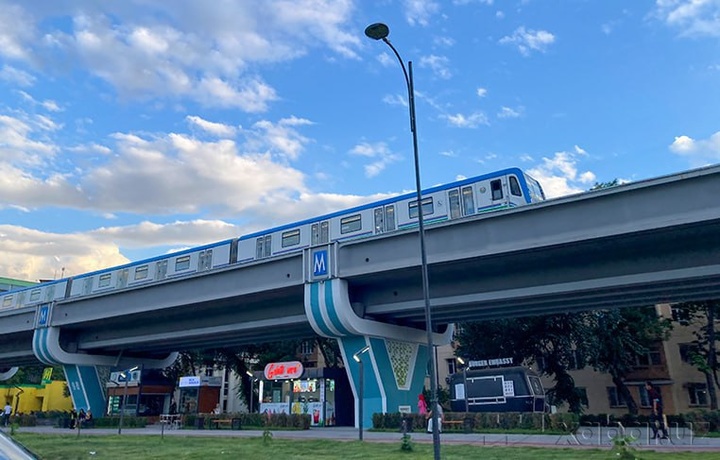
x,y
700,151
216,129
438,64
529,40
467,121
690,17
184,50
507,112
420,11
380,154
16,76
559,174
481,92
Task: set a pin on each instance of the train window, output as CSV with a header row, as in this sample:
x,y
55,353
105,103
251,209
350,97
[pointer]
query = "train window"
x,y
104,280
468,200
267,249
390,217
259,248
291,238
324,232
141,273
182,263
427,207
34,295
454,200
496,189
7,301
379,220
350,224
515,186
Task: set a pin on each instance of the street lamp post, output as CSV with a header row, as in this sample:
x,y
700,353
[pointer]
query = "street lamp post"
x,y
252,382
127,374
358,359
462,363
380,31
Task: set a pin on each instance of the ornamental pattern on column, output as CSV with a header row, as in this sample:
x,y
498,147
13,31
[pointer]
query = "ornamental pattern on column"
x,y
401,356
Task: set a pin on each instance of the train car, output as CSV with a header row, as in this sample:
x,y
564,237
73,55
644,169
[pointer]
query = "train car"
x,y
34,295
504,389
490,192
167,266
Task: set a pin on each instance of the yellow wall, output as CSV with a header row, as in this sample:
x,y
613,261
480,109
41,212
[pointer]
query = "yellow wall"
x,y
35,398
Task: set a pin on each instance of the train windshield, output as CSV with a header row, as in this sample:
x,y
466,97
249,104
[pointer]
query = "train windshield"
x,y
536,191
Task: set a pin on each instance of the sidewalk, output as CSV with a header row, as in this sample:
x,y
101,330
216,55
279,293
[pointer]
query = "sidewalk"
x,y
586,437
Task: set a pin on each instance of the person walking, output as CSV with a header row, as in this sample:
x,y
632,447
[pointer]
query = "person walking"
x,y
6,413
657,418
421,404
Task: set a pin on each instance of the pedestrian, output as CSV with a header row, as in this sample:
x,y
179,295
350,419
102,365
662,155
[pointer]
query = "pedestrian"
x,y
73,418
657,418
421,404
429,418
6,413
81,418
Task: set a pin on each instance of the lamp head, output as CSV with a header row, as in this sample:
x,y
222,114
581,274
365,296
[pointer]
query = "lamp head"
x,y
356,356
249,374
460,360
377,31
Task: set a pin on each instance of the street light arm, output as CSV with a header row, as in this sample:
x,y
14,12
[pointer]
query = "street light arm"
x,y
408,83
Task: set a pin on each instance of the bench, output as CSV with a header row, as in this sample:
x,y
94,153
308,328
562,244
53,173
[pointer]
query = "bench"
x,y
172,420
232,423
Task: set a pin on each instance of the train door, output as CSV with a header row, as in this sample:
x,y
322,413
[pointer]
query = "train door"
x,y
320,232
122,278
515,193
263,247
161,269
87,285
462,202
385,219
205,260
50,293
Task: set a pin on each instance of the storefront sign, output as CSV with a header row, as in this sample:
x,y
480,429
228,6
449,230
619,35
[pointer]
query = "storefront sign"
x,y
191,381
490,362
288,370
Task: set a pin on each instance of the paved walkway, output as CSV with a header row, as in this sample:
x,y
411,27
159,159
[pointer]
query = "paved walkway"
x,y
587,437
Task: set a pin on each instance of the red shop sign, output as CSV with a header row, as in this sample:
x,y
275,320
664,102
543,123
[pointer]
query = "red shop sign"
x,y
288,370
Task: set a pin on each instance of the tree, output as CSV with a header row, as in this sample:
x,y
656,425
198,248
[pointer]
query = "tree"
x,y
703,353
617,337
552,340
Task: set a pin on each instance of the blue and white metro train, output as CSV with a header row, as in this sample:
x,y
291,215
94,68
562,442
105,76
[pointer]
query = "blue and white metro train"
x,y
490,192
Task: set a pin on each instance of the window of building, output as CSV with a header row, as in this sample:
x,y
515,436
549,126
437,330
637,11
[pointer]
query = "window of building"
x,y
582,394
141,273
451,365
687,350
577,360
104,280
182,263
697,394
614,399
307,347
681,315
351,224
427,207
650,358
291,238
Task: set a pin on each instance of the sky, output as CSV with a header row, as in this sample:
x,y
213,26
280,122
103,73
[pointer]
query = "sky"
x,y
132,129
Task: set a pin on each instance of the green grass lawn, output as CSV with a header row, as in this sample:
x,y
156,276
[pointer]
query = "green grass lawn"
x,y
66,447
